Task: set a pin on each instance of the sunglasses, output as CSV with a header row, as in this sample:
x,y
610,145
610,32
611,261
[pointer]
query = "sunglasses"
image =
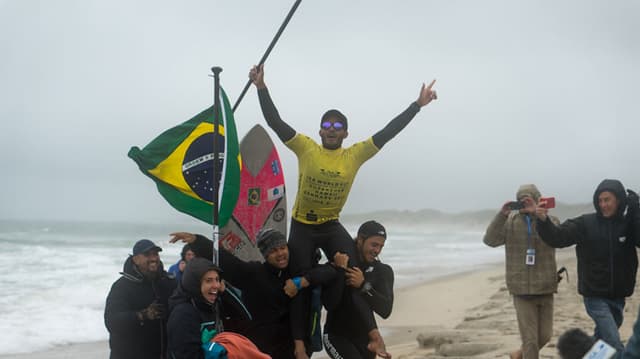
x,y
336,125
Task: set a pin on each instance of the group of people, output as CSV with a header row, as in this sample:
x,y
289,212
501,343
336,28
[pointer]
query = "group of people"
x,y
262,309
605,244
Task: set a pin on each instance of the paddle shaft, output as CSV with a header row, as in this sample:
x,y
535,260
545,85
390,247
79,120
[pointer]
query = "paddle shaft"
x,y
271,46
216,123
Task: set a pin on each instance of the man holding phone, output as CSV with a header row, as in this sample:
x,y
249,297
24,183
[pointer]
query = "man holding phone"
x,y
530,268
606,244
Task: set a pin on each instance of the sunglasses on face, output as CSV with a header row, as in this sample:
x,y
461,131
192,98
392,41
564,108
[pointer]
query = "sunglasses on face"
x,y
328,124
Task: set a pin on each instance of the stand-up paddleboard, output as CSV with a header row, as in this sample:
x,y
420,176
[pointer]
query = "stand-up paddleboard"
x,y
261,202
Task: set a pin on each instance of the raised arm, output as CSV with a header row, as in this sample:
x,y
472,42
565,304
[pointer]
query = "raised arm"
x,y
427,94
633,216
269,111
236,271
558,236
496,234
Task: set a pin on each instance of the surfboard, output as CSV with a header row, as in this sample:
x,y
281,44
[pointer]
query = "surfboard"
x,y
261,202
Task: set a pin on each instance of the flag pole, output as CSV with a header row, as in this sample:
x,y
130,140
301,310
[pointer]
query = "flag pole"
x,y
216,157
271,46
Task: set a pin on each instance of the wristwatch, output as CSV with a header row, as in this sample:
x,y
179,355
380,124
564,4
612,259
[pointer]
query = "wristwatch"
x,y
366,288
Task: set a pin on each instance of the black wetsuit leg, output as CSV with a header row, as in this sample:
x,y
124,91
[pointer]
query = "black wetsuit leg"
x,y
339,347
304,240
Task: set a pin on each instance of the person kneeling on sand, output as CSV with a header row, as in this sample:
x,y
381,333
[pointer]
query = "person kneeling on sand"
x,y
195,323
530,269
346,334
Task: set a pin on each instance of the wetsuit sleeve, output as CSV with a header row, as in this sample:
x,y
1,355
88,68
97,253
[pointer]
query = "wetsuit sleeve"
x,y
271,115
564,235
396,125
119,317
380,297
496,233
321,274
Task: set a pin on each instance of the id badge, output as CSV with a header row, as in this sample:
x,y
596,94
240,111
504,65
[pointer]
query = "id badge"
x,y
531,257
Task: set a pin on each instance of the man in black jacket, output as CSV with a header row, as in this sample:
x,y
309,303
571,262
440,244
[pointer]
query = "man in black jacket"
x,y
347,331
266,288
606,250
135,312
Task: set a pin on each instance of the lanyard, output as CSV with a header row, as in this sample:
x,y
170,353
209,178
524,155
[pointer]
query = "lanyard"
x,y
528,220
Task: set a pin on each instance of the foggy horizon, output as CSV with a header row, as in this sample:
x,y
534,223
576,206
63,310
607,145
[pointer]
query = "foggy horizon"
x,y
529,92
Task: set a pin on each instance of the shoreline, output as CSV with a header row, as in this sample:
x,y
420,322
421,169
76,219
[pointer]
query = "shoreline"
x,y
395,332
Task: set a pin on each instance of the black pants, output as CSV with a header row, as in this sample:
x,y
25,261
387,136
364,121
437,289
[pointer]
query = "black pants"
x,y
305,239
339,347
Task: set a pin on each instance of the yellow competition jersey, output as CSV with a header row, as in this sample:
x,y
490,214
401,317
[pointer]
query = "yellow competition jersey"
x,y
325,177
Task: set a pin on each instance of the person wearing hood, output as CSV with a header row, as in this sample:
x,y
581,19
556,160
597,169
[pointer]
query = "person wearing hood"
x,y
606,251
135,310
530,270
266,288
195,329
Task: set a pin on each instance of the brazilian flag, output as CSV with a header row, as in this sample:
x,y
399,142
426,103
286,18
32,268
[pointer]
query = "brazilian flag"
x,y
180,161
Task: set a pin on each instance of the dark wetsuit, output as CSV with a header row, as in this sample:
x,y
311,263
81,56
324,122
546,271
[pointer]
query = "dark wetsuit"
x,y
308,232
345,335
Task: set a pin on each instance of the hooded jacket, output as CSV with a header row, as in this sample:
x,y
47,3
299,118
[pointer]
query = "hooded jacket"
x,y
513,232
605,247
192,320
128,336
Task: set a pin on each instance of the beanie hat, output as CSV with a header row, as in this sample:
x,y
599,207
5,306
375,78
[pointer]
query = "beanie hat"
x,y
269,239
370,229
528,190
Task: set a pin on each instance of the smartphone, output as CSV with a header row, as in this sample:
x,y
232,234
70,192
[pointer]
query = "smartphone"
x,y
514,206
548,202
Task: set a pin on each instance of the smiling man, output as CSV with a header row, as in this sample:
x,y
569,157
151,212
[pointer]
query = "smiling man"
x,y
347,331
325,175
606,250
135,312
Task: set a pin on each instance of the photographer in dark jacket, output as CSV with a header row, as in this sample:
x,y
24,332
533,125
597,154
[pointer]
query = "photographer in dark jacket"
x,y
135,312
606,251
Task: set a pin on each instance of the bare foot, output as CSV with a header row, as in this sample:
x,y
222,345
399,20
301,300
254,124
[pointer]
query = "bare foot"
x,y
516,355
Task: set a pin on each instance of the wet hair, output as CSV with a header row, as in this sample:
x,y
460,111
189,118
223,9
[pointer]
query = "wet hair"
x,y
333,113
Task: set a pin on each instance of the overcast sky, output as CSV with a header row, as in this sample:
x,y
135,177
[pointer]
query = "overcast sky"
x,y
529,91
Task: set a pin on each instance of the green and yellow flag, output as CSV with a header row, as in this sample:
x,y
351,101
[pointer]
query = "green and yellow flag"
x,y
180,161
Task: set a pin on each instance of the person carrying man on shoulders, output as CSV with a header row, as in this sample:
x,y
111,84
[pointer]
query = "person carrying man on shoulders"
x,y
346,334
530,269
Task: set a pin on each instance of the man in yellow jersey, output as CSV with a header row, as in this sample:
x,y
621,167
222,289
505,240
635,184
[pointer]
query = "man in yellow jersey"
x,y
326,173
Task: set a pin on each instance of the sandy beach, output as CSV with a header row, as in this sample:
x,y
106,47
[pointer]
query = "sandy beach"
x,y
463,315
